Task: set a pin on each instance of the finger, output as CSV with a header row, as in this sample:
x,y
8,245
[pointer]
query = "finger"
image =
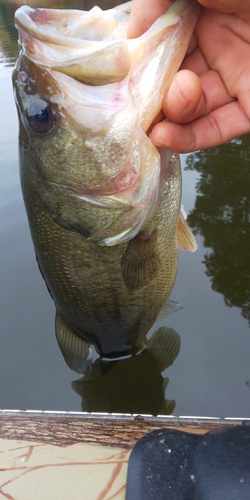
x,y
190,97
195,62
144,13
184,100
218,127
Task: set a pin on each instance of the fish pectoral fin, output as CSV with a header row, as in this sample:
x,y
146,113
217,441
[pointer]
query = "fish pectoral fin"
x,y
165,346
141,262
75,350
185,237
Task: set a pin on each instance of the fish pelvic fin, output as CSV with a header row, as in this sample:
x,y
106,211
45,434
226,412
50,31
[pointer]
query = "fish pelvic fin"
x,y
185,237
75,350
141,262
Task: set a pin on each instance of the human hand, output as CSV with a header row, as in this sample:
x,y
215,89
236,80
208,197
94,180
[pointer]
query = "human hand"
x,y
208,102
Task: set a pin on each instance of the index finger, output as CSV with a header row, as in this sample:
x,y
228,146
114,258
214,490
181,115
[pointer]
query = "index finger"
x,y
144,13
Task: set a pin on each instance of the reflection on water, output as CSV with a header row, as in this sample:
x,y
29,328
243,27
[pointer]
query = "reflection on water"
x,y
222,216
8,34
211,375
135,384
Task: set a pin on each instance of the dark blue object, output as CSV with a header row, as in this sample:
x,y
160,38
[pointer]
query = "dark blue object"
x,y
174,465
222,465
161,466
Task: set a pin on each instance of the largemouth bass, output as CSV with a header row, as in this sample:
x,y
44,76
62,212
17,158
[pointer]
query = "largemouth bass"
x,y
103,202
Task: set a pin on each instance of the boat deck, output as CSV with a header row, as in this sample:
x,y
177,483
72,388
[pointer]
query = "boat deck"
x,y
64,455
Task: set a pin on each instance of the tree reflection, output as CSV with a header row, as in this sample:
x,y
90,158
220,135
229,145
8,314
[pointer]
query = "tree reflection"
x,y
222,215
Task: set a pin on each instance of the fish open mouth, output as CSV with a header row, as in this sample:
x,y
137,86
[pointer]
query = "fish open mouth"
x,y
109,90
81,44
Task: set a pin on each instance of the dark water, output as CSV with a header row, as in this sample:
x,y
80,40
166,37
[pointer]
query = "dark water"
x,y
211,375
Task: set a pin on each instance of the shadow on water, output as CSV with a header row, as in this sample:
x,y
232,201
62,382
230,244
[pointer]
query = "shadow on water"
x,y
222,215
8,34
133,384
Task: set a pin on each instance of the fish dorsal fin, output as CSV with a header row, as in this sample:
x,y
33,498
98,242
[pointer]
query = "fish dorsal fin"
x,y
141,262
185,237
75,350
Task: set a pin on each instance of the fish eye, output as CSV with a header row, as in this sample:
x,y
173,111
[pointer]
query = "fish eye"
x,y
41,116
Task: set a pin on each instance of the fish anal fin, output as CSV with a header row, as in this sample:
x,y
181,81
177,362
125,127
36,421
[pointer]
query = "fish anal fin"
x,y
164,345
75,350
169,406
141,262
186,239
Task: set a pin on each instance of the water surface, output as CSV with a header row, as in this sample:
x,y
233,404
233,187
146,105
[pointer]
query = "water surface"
x,y
211,375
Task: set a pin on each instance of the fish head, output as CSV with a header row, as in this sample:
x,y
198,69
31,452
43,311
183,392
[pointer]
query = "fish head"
x,y
86,96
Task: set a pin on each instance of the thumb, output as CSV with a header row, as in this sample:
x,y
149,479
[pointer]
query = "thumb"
x,y
183,101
